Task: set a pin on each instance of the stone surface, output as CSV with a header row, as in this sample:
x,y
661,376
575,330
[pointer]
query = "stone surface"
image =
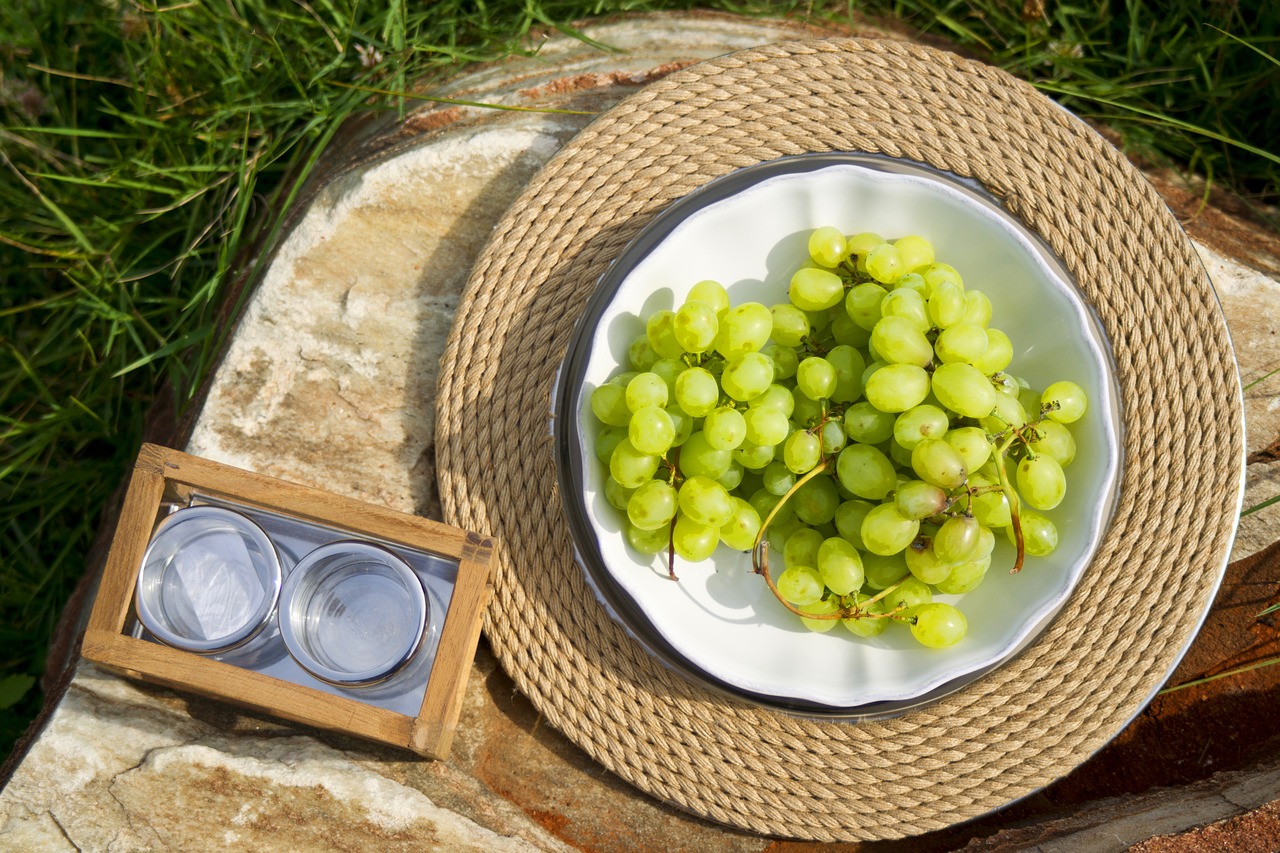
x,y
329,382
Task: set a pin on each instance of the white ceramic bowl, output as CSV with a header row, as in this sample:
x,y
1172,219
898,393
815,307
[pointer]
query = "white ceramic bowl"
x,y
719,623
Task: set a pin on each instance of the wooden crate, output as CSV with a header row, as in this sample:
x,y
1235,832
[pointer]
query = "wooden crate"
x,y
162,476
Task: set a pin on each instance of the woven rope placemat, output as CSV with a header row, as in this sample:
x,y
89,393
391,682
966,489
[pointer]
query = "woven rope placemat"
x,y
1006,734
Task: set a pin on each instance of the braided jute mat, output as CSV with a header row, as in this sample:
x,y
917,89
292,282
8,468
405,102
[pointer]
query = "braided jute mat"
x,y
1006,734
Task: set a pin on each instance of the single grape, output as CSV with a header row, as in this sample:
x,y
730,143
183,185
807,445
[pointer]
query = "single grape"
x,y
1055,440
764,503
630,467
865,423
647,389
849,365
817,501
640,354
1041,481
964,342
918,423
618,495
732,476
886,531
683,423
696,326
898,387
1039,534
693,541
609,405
660,329
705,501
899,341
946,304
651,430
919,500
668,370
863,242
915,251
884,264
801,451
848,520
778,478
820,608
648,541
740,531
743,328
816,378
957,540
938,625
785,361
865,471
937,273
753,456
909,594
964,577
963,389
699,459
991,509
832,438
652,506
840,565
814,289
747,375
972,445
725,428
937,462
800,585
863,304
766,426
827,246
923,563
1064,402
802,547
606,440
915,281
1007,412
712,293
790,324
906,304
977,308
882,571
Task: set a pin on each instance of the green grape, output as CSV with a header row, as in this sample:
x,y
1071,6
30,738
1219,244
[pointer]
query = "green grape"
x,y
977,308
790,324
778,478
802,547
865,471
908,595
800,585
957,540
651,431
640,354
923,563
774,397
669,370
1064,402
732,476
816,378
915,282
785,361
938,273
766,426
848,520
863,304
840,565
963,342
937,462
998,355
609,405
964,577
991,509
806,411
780,531
816,501
606,440
972,445
630,467
883,571
872,366
699,459
764,503
884,264
898,387
900,455
648,541
946,304
647,389
919,500
1054,440
1007,412
753,456
618,495
801,451
820,608
886,531
832,438
938,625
898,341
705,501
863,242
696,326
693,541
845,331
827,246
747,375
660,329
1041,482
725,428
743,328
814,289
964,390
865,423
740,531
863,626
918,423
1030,400
653,505
712,293
683,423
1039,534
916,251
907,304
848,364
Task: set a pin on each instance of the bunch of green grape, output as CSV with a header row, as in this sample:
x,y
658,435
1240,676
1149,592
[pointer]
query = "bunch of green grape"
x,y
865,429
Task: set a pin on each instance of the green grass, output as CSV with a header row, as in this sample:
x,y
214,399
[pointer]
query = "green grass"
x,y
143,146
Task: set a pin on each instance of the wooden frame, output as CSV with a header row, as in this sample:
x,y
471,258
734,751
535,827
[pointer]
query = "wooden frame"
x,y
162,475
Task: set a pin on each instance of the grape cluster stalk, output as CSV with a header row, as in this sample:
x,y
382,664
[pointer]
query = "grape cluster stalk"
x,y
864,429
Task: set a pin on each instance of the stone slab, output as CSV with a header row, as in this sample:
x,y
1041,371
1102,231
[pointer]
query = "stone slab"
x,y
329,381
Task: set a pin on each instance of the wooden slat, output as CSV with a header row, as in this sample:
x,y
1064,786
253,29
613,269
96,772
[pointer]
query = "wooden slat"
x,y
438,720
133,532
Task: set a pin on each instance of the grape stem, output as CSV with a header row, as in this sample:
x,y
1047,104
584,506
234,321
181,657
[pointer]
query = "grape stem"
x,y
1011,495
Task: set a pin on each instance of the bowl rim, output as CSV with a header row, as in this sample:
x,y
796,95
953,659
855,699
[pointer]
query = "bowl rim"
x,y
568,453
